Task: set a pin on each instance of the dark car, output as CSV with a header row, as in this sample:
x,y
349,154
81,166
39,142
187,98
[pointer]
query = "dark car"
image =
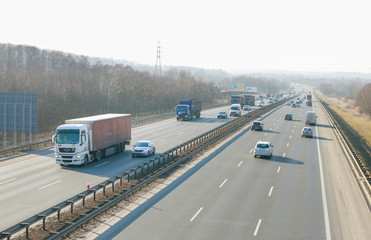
x,y
257,125
309,103
288,116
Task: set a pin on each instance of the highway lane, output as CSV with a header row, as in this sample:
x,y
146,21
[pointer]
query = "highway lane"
x,y
237,196
32,182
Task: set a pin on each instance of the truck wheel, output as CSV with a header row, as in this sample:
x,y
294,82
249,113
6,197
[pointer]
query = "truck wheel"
x,y
86,160
98,156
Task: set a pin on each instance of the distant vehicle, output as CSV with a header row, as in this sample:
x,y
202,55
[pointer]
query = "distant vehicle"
x,y
83,140
143,148
263,149
293,105
270,100
310,118
288,116
259,104
246,108
309,97
257,125
307,132
235,110
297,104
288,103
248,100
237,99
188,109
222,115
309,103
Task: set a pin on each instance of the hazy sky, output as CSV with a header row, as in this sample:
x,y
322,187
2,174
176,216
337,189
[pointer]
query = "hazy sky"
x,y
233,35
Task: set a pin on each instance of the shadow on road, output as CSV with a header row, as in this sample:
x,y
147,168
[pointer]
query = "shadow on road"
x,y
324,126
282,160
270,131
322,138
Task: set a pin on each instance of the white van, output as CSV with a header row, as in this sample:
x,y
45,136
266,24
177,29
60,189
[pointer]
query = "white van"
x,y
235,110
310,118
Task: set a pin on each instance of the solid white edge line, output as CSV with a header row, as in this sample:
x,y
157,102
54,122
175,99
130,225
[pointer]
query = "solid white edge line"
x,y
239,164
101,164
50,184
196,214
324,199
221,185
9,180
270,191
257,227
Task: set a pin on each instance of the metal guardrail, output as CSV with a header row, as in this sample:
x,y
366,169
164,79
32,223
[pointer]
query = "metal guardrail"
x,y
29,147
145,173
22,148
359,170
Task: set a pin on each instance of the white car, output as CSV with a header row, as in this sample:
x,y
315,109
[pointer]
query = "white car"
x,y
246,108
143,148
263,149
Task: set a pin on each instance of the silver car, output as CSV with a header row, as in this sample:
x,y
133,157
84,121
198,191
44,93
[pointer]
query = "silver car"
x,y
307,132
143,148
263,149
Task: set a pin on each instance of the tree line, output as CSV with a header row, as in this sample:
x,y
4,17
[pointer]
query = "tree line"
x,y
69,86
355,90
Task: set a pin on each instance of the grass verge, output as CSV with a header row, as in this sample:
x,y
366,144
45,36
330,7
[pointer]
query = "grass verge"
x,y
356,129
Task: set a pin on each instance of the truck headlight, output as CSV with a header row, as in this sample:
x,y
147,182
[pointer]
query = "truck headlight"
x,y
78,157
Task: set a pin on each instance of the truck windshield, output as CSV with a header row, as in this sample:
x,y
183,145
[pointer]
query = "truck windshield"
x,y
181,108
67,136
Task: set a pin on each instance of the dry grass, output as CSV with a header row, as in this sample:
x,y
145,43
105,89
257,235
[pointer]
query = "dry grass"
x,y
347,110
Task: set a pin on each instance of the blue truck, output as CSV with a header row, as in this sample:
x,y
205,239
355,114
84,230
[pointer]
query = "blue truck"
x,y
188,109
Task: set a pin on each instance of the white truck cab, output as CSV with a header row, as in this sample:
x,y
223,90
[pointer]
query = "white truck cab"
x,y
71,144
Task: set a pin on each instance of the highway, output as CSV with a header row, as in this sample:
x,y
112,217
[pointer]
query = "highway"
x,y
32,182
305,191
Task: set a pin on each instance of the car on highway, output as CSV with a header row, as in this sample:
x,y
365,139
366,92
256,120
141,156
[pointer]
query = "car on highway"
x,y
222,115
309,103
307,132
293,105
263,148
297,104
143,148
259,104
257,125
288,116
246,108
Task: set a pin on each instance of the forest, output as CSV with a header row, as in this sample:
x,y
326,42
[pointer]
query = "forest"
x,y
71,86
68,86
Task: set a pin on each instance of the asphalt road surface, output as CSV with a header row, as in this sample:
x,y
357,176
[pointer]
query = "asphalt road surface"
x,y
32,182
305,191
